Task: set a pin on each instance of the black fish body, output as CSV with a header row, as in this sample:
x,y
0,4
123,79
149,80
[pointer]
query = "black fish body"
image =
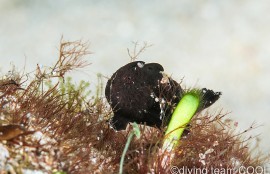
x,y
139,92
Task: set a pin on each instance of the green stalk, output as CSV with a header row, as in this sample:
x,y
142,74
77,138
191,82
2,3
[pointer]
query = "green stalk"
x,y
135,131
182,115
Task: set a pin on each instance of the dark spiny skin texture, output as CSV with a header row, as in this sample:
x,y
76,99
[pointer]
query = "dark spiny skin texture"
x,y
139,92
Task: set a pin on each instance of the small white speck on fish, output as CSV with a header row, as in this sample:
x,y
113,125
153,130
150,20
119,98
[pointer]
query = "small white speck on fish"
x,y
162,113
163,101
140,64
